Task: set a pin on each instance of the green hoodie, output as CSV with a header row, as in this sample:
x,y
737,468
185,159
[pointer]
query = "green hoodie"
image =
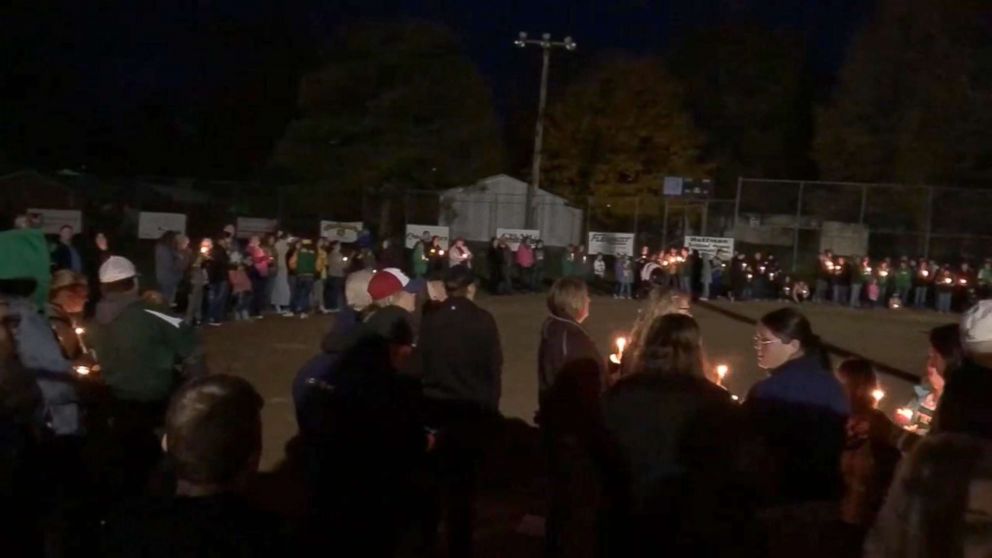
x,y
139,347
24,255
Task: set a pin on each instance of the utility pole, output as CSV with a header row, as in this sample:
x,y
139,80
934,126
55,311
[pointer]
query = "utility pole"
x,y
546,45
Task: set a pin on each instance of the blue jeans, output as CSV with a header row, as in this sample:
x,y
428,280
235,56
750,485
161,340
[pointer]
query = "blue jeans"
x,y
920,297
903,293
856,295
840,294
685,284
334,293
217,296
944,301
301,294
624,289
242,302
706,290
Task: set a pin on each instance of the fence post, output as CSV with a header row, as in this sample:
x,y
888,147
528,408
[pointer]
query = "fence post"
x,y
637,214
795,231
864,204
664,224
706,214
929,228
737,202
588,218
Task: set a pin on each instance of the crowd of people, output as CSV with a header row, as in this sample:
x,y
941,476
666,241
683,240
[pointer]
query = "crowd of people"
x,y
116,440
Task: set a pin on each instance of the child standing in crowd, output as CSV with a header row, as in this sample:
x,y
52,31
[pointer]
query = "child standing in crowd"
x,y
304,263
241,289
599,267
624,271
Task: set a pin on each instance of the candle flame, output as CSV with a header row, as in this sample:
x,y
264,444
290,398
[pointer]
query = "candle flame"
x,y
80,331
83,370
735,398
904,412
621,344
721,370
878,395
614,358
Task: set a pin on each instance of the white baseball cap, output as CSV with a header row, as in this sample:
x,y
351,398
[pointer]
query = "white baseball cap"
x,y
116,268
976,328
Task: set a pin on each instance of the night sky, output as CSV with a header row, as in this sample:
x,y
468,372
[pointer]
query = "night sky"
x,y
205,88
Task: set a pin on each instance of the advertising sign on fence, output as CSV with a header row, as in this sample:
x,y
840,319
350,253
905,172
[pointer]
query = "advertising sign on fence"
x,y
51,220
514,236
252,226
416,232
719,246
152,225
341,231
611,244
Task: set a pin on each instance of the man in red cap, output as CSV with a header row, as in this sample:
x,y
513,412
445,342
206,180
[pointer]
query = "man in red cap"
x,y
391,287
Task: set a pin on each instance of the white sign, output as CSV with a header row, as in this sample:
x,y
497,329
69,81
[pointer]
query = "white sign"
x,y
416,232
51,220
151,225
719,246
611,244
514,236
341,231
251,226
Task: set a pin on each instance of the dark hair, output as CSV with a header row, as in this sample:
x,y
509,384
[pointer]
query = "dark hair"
x,y
213,429
672,346
64,227
122,286
791,325
946,340
168,237
859,379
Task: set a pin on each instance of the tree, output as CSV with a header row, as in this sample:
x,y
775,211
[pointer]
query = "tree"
x,y
395,106
746,89
912,101
617,131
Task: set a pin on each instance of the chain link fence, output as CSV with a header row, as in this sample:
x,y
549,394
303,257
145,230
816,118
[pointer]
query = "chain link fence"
x,y
795,219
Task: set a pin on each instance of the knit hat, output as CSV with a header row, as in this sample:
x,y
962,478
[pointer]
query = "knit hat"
x,y
115,269
389,281
976,328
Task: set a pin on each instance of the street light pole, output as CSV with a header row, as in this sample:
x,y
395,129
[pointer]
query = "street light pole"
x,y
546,45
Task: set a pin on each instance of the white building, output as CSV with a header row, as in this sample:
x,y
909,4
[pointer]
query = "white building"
x,y
475,212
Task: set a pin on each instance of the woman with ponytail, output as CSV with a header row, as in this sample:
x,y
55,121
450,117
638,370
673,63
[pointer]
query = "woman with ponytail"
x,y
799,414
672,478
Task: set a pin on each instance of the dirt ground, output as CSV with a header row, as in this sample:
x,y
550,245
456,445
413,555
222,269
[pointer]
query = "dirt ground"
x,y
269,352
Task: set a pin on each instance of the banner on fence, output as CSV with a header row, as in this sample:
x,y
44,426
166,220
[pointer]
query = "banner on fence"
x,y
152,225
611,244
255,226
514,236
416,232
341,231
51,220
718,246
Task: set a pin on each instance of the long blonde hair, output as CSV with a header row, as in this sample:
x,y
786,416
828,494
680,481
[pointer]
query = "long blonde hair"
x,y
661,302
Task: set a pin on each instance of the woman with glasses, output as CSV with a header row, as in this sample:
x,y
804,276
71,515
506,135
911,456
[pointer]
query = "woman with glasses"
x,y
798,415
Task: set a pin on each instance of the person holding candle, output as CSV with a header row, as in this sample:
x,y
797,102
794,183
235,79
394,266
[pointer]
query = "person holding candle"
x,y
944,287
675,461
944,353
870,457
921,284
798,416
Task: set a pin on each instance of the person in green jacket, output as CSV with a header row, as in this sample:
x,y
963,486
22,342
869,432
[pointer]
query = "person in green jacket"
x,y
419,260
304,264
903,281
142,350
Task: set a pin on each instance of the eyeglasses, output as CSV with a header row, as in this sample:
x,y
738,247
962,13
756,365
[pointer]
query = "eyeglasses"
x,y
759,341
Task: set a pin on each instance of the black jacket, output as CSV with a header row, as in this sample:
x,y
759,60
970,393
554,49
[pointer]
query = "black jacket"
x,y
571,376
460,354
217,265
674,478
964,406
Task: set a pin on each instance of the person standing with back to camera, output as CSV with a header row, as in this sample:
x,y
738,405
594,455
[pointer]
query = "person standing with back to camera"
x,y
571,378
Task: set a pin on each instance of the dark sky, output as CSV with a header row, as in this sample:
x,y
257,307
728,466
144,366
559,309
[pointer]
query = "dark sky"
x,y
206,87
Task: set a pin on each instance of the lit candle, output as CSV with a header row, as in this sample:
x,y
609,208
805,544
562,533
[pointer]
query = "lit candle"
x,y
80,331
877,395
925,273
884,273
721,371
735,398
345,258
440,252
905,413
82,370
614,359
